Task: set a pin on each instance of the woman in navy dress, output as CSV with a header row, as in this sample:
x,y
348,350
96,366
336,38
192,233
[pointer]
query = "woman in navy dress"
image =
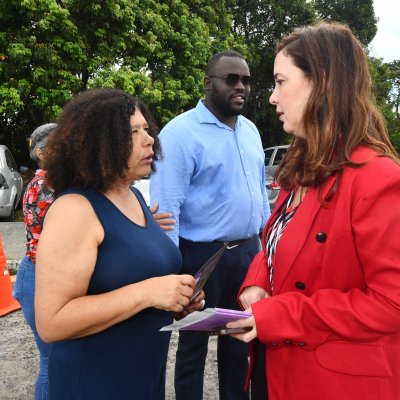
x,y
107,275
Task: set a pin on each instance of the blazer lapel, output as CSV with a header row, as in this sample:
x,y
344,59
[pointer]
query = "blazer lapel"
x,y
297,231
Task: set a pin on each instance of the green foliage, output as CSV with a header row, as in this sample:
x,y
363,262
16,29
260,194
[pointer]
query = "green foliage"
x,y
394,102
359,15
262,24
51,49
394,73
386,79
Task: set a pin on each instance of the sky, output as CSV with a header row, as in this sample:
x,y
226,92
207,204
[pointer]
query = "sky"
x,y
386,43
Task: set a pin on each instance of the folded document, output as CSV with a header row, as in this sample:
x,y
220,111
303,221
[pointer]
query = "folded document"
x,y
210,319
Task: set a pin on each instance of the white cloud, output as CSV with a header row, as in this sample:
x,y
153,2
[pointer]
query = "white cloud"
x,y
386,43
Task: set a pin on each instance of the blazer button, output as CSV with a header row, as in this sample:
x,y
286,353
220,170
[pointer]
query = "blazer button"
x,y
300,285
274,344
321,237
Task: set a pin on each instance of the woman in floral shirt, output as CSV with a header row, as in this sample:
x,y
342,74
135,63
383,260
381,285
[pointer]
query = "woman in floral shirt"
x,y
38,197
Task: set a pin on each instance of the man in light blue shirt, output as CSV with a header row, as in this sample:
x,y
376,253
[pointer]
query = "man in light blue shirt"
x,y
212,179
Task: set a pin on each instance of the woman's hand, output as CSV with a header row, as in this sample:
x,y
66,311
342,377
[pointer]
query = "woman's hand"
x,y
196,305
249,324
170,293
249,296
252,294
165,220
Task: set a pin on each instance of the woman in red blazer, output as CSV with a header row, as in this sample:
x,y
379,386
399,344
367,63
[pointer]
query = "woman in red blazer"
x,y
325,290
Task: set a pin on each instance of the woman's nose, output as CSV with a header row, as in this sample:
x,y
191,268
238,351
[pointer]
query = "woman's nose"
x,y
149,139
272,98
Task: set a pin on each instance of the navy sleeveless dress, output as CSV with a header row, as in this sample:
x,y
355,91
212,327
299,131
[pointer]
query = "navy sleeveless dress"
x,y
127,360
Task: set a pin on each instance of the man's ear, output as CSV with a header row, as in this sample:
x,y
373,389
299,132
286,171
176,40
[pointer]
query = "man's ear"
x,y
207,83
39,154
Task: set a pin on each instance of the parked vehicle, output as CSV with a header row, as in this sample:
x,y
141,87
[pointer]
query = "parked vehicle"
x,y
11,185
273,156
272,191
143,185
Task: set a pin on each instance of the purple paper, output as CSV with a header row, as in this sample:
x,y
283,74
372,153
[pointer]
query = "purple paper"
x,y
218,319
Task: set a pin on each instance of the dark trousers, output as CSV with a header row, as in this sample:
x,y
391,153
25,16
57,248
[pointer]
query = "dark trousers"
x,y
221,291
258,386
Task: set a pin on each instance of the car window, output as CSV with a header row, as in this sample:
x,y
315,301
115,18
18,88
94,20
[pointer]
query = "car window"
x,y
268,155
280,153
10,161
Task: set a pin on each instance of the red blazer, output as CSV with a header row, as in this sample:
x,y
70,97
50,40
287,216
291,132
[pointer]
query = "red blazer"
x,y
332,324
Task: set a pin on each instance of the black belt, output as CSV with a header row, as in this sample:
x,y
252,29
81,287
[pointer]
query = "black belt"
x,y
233,243
228,243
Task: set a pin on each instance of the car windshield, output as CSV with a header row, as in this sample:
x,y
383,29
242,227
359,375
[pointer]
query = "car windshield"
x,y
268,155
280,153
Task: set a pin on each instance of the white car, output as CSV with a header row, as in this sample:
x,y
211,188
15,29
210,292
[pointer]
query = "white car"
x,y
143,185
273,189
11,185
273,156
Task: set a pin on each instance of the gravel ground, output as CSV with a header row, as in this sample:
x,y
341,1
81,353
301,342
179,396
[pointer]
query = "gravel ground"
x,y
19,362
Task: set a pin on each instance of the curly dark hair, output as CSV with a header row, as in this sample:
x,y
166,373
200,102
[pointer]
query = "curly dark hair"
x,y
93,140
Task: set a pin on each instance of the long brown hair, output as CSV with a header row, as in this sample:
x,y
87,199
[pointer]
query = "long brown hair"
x,y
341,112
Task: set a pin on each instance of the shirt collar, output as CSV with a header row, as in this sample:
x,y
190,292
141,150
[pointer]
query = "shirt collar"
x,y
205,116
40,172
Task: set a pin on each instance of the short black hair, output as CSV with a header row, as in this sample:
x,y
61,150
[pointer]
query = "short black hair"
x,y
217,56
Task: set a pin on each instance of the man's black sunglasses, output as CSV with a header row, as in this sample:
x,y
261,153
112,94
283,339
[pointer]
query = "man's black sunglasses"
x,y
233,79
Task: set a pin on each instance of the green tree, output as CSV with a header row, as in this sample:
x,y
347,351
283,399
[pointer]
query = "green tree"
x,y
359,15
262,24
394,101
51,49
394,68
386,78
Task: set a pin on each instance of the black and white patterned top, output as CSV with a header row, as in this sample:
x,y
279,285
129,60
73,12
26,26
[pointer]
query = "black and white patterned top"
x,y
275,232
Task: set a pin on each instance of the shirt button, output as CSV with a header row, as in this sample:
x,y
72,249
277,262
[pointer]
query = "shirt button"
x,y
321,237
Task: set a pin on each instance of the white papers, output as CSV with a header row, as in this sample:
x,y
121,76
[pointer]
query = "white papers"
x,y
210,319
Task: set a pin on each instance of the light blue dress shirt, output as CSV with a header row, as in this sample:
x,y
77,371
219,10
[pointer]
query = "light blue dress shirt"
x,y
211,178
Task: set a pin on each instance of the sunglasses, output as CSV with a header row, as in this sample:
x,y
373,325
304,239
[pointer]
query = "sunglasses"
x,y
233,79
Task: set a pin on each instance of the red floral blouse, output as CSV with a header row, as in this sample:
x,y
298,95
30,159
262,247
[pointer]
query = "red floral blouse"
x,y
37,198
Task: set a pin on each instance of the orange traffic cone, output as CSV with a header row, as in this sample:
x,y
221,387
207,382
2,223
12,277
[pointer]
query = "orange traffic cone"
x,y
7,302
